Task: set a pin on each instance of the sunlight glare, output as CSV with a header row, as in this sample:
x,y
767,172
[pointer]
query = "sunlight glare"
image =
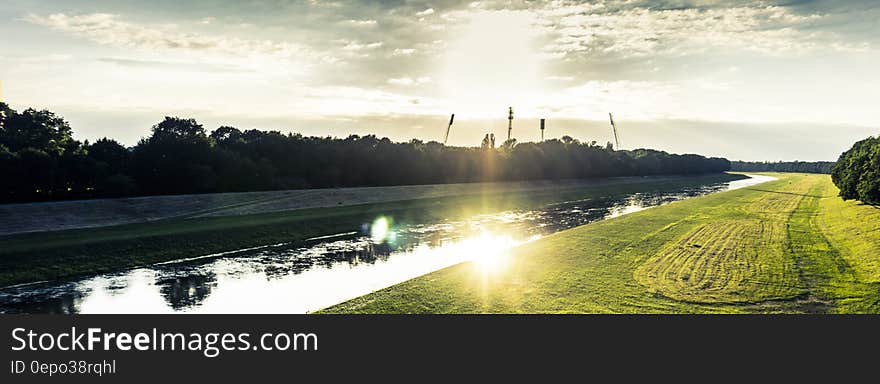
x,y
494,63
488,251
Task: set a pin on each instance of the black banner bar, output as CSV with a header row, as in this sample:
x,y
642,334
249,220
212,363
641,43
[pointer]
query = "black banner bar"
x,y
417,347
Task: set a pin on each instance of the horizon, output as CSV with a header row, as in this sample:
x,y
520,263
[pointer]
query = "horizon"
x,y
743,80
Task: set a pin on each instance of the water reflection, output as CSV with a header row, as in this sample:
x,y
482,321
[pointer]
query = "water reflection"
x,y
297,278
65,302
186,289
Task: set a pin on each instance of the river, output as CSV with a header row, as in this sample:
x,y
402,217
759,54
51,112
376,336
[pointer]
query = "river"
x,y
326,270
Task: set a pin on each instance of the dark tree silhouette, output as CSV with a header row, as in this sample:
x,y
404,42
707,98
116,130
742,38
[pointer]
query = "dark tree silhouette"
x,y
41,161
782,166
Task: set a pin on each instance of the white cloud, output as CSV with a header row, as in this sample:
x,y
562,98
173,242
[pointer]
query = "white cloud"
x,y
427,12
636,29
643,100
409,81
325,4
355,101
403,52
47,58
362,23
560,78
109,29
594,29
353,45
353,49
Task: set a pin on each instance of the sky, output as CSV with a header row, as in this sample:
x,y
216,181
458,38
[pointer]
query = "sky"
x,y
746,80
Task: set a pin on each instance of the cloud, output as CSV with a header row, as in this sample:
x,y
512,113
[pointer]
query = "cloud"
x,y
357,101
409,81
110,29
596,29
188,66
47,58
403,52
643,100
361,23
427,12
324,4
354,49
354,45
638,29
560,78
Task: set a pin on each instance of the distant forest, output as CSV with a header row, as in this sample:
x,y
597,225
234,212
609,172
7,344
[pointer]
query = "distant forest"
x,y
40,160
857,172
782,166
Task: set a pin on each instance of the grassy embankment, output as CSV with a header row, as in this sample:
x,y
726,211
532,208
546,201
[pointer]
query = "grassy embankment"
x,y
786,246
59,254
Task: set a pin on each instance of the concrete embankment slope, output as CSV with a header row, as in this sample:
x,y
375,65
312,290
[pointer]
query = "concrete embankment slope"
x,y
62,215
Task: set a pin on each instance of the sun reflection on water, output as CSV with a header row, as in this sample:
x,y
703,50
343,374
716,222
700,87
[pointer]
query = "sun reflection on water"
x,y
489,252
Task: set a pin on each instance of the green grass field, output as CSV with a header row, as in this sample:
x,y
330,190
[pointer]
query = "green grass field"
x,y
59,254
786,246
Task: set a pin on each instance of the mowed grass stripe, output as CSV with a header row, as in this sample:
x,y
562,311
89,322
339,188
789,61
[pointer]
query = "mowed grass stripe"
x,y
724,261
732,260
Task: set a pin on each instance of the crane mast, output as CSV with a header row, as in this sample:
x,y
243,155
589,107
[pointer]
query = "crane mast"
x,y
509,121
614,129
451,118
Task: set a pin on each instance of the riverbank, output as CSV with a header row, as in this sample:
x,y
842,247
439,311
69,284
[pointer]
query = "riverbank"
x,y
59,254
786,246
78,214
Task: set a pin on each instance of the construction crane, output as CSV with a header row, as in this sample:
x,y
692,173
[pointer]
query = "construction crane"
x,y
614,129
509,121
451,118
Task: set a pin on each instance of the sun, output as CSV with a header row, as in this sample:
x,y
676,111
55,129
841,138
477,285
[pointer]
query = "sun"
x,y
494,62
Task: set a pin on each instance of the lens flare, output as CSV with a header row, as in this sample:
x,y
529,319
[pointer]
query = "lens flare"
x,y
380,229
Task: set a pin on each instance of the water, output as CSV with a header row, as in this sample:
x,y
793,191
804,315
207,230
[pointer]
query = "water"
x,y
325,270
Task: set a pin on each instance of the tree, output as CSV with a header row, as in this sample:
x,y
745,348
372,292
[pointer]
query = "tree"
x,y
568,140
5,111
783,166
40,157
857,172
111,161
176,158
41,130
179,128
226,136
111,153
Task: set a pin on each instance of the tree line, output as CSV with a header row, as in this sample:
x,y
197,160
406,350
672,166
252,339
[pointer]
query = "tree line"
x,y
857,172
782,166
40,160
